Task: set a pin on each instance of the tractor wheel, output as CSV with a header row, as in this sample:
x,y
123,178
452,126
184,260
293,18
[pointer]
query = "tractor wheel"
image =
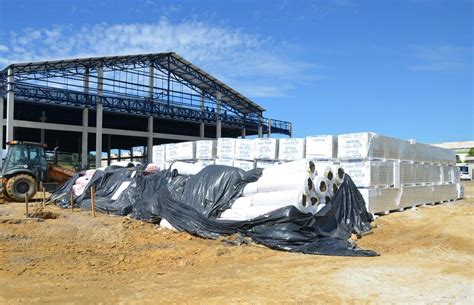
x,y
20,185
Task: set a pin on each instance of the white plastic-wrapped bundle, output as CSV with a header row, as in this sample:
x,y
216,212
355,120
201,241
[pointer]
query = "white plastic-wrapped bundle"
x,y
244,149
444,192
296,197
158,154
407,150
295,167
321,147
460,190
89,173
290,149
428,173
266,149
184,168
206,149
367,146
381,200
226,162
166,224
247,213
321,186
445,176
186,150
205,162
333,187
122,163
82,181
152,168
274,183
171,153
324,169
265,164
250,189
339,173
415,195
226,148
455,174
245,165
78,189
370,173
242,202
409,174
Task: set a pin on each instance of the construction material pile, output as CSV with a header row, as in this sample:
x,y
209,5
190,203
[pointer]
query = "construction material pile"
x,y
195,199
391,174
305,184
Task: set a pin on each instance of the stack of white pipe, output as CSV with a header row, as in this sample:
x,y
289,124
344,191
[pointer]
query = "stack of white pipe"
x,y
297,183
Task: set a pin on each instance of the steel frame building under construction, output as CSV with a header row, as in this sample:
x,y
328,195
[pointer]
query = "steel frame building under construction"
x,y
135,100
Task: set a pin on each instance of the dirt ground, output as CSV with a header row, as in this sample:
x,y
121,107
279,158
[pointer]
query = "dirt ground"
x,y
426,256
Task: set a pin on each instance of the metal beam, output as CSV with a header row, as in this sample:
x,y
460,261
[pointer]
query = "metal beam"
x,y
118,132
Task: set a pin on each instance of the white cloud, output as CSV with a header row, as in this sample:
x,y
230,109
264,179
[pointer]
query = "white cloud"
x,y
3,48
257,64
441,58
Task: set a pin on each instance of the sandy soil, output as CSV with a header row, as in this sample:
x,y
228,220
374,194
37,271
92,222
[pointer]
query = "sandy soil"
x,y
426,256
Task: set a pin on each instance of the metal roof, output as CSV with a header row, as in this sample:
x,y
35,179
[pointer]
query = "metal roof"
x,y
169,61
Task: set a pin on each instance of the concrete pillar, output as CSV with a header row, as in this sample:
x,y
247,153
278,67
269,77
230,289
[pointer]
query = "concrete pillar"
x,y
42,119
131,154
109,147
10,105
260,129
243,133
218,116
84,144
149,149
99,110
85,124
151,79
269,122
119,155
202,126
2,101
291,130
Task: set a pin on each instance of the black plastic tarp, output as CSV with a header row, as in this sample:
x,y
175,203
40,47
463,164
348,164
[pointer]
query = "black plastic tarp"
x,y
193,204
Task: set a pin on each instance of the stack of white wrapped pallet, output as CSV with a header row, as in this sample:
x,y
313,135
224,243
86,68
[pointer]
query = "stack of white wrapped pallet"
x,y
244,154
206,152
266,152
225,151
295,183
158,156
393,174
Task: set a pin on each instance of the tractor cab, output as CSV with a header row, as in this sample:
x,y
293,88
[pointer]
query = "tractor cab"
x,y
24,166
25,157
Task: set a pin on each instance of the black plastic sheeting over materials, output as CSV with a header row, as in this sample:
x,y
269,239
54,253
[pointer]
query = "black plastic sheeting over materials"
x,y
193,204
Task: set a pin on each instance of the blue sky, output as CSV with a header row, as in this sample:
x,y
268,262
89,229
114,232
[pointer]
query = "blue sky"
x,y
400,68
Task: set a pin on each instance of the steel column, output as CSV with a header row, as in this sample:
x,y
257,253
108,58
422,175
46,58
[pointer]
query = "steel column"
x,y
218,115
260,128
151,84
202,127
269,128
